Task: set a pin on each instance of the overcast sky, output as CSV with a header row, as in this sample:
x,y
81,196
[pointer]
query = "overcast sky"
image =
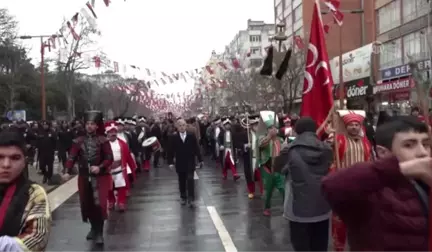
x,y
163,35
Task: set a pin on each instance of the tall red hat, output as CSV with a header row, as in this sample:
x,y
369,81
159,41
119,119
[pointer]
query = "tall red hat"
x,y
110,125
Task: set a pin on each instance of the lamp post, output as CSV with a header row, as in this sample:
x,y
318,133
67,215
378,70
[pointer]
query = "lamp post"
x,y
42,69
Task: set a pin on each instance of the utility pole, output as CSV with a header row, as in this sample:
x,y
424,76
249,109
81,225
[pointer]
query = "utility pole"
x,y
341,82
42,69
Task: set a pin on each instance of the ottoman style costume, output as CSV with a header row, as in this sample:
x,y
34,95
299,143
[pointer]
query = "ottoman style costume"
x,y
352,149
250,155
122,158
93,150
269,149
227,151
143,132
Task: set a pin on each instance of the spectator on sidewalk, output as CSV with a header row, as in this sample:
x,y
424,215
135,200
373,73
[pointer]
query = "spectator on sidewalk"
x,y
25,217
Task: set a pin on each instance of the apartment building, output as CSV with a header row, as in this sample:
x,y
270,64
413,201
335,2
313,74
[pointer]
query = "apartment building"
x,y
249,45
403,32
357,29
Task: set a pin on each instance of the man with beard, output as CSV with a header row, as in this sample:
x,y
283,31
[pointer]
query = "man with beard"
x,y
93,154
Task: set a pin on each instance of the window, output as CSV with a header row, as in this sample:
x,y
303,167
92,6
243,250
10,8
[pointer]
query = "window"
x,y
288,6
415,46
255,50
289,23
299,32
391,54
255,62
389,16
279,10
255,38
413,9
298,13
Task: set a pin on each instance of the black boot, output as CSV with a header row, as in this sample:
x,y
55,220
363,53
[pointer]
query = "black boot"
x,y
99,240
91,234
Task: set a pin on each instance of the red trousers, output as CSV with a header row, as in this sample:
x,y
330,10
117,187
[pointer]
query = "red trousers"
x,y
228,164
121,196
145,165
258,179
339,234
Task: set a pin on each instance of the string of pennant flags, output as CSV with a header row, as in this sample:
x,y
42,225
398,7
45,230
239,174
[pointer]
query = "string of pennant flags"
x,y
140,91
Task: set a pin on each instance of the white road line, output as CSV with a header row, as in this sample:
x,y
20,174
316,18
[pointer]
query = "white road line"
x,y
195,175
225,237
62,193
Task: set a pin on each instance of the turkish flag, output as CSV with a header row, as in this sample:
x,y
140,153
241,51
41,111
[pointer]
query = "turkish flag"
x,y
317,100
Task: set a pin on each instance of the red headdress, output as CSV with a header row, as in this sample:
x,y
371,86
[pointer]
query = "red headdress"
x,y
286,120
110,125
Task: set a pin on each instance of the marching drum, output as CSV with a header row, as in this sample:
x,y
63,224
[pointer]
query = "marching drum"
x,y
153,143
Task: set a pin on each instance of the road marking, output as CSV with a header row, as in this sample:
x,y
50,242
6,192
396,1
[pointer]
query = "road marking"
x,y
225,237
195,175
62,193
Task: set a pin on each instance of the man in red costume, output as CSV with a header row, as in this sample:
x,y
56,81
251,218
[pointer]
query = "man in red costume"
x,y
122,159
92,152
353,148
286,131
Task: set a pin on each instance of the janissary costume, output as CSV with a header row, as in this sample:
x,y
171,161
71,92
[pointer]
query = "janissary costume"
x,y
226,150
93,150
215,136
286,131
270,147
25,216
143,132
250,156
352,149
122,158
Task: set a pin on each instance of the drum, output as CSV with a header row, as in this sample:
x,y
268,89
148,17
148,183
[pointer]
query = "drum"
x,y
153,143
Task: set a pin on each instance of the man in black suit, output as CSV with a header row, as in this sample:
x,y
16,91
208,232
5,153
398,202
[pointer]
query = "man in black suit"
x,y
184,148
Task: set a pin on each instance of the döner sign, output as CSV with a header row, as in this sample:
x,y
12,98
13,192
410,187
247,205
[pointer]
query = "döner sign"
x,y
355,91
394,85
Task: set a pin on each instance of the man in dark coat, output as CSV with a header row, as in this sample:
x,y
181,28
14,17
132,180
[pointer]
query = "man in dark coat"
x,y
185,149
94,157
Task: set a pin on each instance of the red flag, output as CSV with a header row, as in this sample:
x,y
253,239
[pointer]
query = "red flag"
x,y
72,30
90,7
97,61
107,2
209,70
318,81
235,63
299,42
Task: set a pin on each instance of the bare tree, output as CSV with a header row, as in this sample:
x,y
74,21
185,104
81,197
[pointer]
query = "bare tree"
x,y
8,26
75,62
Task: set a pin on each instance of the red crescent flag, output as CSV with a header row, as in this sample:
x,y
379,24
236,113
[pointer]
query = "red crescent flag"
x,y
317,99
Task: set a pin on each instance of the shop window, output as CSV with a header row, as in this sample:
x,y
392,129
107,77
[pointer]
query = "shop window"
x,y
391,54
413,9
415,46
389,17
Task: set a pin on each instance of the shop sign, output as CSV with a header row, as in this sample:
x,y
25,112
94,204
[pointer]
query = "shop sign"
x,y
355,91
404,70
397,85
355,64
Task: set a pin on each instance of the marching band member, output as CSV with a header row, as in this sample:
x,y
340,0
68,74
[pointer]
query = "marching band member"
x,y
287,130
122,159
270,147
250,156
354,147
226,150
143,132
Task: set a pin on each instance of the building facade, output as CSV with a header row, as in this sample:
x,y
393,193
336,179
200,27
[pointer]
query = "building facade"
x,y
357,29
403,32
249,45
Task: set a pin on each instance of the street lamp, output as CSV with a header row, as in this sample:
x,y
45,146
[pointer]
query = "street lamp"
x,y
341,83
42,69
279,55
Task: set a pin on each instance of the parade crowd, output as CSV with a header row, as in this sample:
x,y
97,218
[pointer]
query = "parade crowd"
x,y
364,185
